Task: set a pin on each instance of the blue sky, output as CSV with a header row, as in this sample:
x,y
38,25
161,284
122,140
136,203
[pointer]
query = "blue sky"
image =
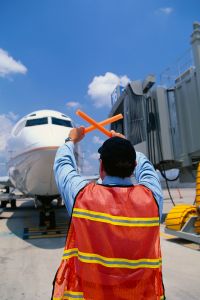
x,y
65,55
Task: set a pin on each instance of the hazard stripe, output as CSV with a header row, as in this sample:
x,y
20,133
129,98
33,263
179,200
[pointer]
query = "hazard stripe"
x,y
73,295
70,295
112,262
114,220
78,295
70,253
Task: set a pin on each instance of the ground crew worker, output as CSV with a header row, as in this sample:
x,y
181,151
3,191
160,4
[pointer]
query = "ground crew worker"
x,y
113,245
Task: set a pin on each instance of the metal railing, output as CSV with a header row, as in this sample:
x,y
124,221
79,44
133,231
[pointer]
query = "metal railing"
x,y
183,63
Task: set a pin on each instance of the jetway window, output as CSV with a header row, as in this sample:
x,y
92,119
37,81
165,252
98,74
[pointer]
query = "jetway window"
x,y
135,118
36,122
61,122
119,125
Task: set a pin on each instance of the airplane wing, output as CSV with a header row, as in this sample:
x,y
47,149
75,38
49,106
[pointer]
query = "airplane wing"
x,y
5,181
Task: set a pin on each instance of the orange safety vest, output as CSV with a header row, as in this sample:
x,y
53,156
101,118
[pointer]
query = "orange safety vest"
x,y
113,246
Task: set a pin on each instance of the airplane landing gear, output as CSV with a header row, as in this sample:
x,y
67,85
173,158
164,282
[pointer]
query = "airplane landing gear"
x,y
47,214
47,218
8,194
13,203
4,204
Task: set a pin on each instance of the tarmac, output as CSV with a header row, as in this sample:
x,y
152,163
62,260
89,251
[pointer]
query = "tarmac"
x,y
28,266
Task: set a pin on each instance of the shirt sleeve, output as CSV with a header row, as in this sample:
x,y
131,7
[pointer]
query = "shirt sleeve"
x,y
145,174
69,182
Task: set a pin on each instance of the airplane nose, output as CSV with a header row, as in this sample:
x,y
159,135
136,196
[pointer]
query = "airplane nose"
x,y
59,134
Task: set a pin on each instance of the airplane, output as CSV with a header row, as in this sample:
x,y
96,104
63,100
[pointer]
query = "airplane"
x,y
33,144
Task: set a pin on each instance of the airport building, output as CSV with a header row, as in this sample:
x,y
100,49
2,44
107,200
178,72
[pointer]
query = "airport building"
x,y
163,121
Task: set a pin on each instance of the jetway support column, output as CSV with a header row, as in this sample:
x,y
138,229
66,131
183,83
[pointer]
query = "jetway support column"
x,y
195,41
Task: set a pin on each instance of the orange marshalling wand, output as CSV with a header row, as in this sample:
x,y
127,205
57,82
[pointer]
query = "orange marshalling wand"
x,y
96,125
105,122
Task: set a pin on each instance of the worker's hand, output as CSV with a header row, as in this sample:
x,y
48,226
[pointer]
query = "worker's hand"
x,y
77,134
114,133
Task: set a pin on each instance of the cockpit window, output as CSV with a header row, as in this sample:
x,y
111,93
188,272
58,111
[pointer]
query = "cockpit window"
x,y
35,122
61,122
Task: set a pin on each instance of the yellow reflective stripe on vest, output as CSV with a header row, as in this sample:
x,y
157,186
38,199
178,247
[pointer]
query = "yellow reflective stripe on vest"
x,y
112,262
114,220
70,295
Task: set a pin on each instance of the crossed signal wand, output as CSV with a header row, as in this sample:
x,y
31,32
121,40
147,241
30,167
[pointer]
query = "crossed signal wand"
x,y
96,125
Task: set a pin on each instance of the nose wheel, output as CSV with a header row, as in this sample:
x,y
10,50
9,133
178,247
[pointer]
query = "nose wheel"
x,y
47,218
13,203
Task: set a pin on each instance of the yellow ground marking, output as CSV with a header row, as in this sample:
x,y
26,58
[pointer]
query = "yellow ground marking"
x,y
40,229
46,236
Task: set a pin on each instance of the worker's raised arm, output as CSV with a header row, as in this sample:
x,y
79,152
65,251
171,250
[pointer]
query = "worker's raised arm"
x,y
68,180
145,174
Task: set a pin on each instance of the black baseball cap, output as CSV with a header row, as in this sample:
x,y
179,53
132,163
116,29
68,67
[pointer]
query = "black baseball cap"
x,y
117,149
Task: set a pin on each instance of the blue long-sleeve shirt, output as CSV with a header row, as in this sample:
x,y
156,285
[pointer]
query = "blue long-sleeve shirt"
x,y
69,182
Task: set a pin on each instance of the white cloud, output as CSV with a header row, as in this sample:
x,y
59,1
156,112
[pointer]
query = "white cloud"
x,y
165,10
6,123
8,65
94,156
90,162
97,140
102,86
12,116
73,104
87,167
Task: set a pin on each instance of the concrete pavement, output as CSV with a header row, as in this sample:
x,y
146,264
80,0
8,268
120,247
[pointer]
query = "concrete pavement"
x,y
28,266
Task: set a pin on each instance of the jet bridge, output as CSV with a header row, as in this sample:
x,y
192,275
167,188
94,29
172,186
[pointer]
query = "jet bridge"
x,y
146,122
163,121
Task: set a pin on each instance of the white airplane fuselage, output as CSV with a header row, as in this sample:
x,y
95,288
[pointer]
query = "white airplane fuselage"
x,y
33,145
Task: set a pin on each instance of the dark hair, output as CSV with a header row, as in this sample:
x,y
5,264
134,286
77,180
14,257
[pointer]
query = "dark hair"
x,y
118,157
118,168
